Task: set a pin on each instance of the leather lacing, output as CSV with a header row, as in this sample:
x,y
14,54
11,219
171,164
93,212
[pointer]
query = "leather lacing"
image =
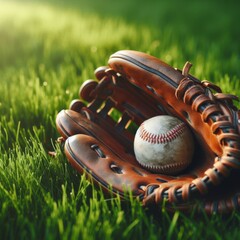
x,y
202,99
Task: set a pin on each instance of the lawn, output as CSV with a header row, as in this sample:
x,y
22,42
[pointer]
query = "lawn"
x,y
47,49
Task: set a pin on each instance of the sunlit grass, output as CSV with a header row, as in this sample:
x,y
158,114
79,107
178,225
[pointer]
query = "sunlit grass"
x,y
47,50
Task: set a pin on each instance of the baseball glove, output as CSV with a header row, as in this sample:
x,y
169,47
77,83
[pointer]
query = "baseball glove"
x,y
98,131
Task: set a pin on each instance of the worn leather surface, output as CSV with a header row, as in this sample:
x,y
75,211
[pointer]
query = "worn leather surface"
x,y
139,86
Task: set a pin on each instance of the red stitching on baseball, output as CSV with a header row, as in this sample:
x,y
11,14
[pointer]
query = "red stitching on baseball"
x,y
161,138
169,168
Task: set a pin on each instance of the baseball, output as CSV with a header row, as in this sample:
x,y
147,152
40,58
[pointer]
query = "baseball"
x,y
164,144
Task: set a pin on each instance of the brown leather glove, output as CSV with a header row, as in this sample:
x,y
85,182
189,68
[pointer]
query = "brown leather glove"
x,y
134,87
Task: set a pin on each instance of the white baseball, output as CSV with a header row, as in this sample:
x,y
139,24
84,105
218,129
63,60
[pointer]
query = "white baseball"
x,y
164,144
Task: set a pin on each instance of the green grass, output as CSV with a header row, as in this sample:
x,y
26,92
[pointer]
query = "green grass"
x,y
47,49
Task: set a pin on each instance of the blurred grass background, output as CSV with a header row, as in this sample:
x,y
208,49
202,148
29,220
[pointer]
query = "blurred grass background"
x,y
47,49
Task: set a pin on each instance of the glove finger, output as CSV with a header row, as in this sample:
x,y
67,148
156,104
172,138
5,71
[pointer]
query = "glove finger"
x,y
89,155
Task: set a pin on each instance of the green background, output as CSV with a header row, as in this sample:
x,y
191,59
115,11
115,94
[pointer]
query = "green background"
x,y
47,49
